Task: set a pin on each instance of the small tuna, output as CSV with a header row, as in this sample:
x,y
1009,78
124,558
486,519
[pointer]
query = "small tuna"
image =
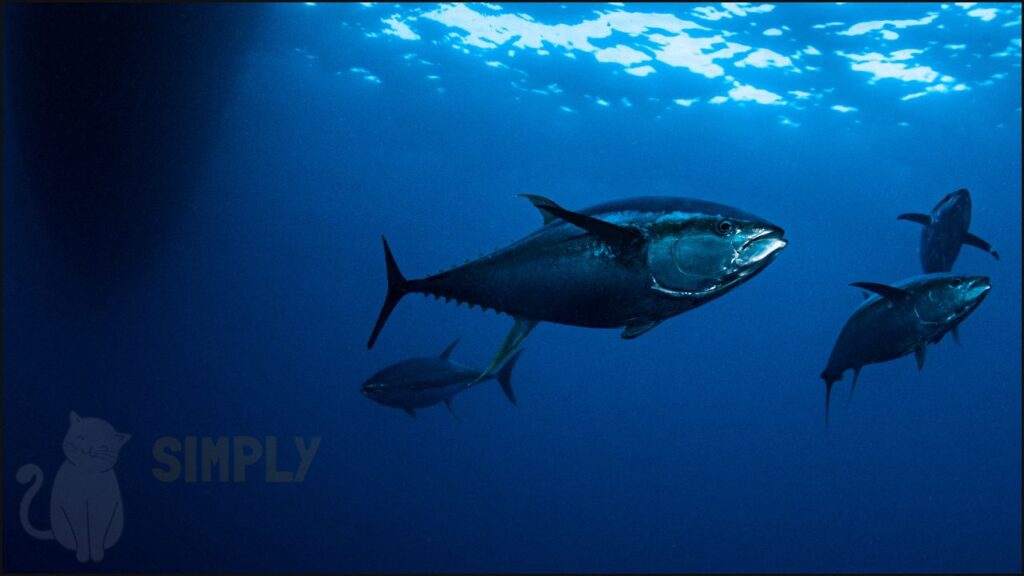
x,y
421,382
945,231
901,320
630,263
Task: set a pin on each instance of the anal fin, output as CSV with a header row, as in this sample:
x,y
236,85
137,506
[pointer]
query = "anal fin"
x,y
853,385
448,403
638,329
919,353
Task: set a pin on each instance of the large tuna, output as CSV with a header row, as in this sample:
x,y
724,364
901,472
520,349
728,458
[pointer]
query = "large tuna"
x,y
630,263
901,320
946,229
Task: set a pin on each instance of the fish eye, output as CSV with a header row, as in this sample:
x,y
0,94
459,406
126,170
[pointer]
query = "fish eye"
x,y
725,227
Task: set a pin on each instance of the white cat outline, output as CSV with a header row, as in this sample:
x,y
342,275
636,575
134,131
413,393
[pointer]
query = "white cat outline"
x,y
86,513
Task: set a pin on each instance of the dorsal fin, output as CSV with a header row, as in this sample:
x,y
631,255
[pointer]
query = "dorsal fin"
x,y
605,230
538,203
448,351
890,293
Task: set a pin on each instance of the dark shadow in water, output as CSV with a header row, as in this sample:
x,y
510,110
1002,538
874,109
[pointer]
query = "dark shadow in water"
x,y
114,107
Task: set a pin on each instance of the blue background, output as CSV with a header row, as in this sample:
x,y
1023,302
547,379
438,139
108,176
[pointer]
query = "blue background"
x,y
225,278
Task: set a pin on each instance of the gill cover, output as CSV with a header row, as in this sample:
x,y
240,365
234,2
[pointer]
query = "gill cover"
x,y
692,264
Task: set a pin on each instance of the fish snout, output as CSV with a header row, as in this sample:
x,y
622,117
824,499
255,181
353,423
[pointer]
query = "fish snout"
x,y
762,245
978,287
959,200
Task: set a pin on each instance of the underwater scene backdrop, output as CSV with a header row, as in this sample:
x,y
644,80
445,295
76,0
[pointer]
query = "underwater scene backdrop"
x,y
194,199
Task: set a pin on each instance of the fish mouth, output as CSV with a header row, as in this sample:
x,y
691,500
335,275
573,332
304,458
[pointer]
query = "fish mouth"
x,y
979,289
762,247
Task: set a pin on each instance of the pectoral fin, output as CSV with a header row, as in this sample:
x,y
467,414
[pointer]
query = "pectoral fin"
x,y
520,330
919,353
853,385
605,230
972,240
890,293
448,403
914,217
634,330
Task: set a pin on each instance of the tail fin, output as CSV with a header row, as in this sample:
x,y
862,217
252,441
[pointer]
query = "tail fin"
x,y
398,286
505,377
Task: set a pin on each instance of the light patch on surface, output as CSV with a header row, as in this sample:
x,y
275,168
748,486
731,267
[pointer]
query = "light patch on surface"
x,y
621,55
827,25
785,121
892,66
566,109
955,46
801,95
843,109
399,28
889,35
746,93
366,75
985,14
671,44
731,9
812,51
692,53
602,102
1013,49
718,100
640,71
626,102
764,58
862,28
772,32
937,88
686,102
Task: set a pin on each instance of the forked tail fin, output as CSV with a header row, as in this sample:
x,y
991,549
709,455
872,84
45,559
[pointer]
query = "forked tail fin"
x,y
505,377
398,286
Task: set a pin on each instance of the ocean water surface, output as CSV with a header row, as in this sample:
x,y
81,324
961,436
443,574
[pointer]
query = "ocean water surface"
x,y
194,197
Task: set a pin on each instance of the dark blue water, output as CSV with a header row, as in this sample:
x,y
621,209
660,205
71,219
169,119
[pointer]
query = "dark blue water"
x,y
191,247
